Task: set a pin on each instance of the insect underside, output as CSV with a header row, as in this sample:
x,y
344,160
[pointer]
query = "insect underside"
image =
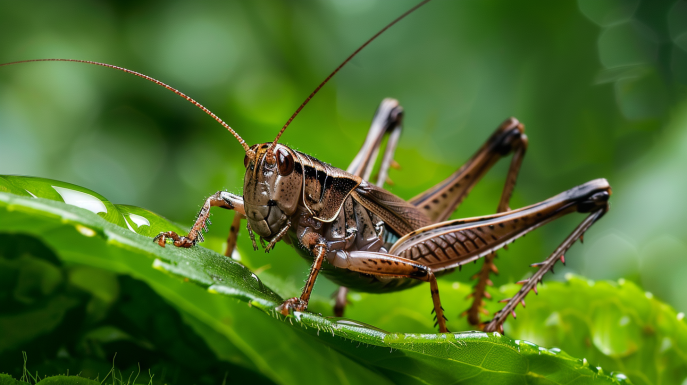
x,y
365,238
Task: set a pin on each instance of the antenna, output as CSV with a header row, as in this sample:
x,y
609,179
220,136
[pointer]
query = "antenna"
x,y
242,142
408,12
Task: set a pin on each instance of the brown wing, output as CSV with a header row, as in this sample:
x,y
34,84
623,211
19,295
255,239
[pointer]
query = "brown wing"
x,y
394,211
325,188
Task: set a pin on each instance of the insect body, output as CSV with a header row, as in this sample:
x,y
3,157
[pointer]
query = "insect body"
x,y
363,237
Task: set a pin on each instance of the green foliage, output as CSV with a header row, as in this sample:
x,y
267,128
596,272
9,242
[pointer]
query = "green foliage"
x,y
87,282
599,85
6,379
67,380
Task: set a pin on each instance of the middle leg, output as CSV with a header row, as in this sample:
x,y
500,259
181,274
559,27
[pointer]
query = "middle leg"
x,y
388,120
391,266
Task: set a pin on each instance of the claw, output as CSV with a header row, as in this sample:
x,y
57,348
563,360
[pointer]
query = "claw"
x,y
295,304
160,240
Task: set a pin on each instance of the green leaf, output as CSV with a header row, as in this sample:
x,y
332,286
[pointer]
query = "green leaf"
x,y
6,379
67,380
612,324
360,353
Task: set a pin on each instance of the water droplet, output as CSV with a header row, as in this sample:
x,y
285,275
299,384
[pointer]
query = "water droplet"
x,y
81,199
139,220
298,315
85,231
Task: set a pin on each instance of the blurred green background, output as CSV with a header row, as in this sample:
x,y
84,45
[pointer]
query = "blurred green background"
x,y
599,84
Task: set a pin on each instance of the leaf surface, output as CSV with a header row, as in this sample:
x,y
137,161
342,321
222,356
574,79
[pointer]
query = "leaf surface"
x,y
285,353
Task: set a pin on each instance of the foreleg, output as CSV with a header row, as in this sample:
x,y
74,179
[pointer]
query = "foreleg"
x,y
221,199
318,247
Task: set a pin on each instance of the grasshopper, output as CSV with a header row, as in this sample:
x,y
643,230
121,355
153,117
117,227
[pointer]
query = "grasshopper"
x,y
365,238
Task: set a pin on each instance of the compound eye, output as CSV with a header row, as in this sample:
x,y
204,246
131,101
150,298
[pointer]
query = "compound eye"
x,y
245,161
284,162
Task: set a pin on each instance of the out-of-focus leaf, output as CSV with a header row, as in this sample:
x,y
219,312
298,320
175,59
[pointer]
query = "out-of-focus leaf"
x,y
614,325
67,380
112,321
6,379
16,329
85,238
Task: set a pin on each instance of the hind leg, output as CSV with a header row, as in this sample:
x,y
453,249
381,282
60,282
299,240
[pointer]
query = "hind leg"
x,y
446,245
442,200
